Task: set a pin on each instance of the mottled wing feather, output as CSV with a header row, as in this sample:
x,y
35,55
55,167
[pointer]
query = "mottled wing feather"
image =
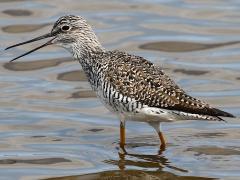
x,y
137,78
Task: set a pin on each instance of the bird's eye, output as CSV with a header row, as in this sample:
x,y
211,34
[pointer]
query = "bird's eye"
x,y
65,28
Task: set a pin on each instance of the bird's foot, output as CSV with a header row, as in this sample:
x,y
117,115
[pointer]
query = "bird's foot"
x,y
162,148
122,150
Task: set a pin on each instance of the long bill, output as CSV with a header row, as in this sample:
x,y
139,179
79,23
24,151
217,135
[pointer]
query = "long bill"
x,y
30,41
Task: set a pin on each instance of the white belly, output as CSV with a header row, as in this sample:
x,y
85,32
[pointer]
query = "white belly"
x,y
135,111
150,114
142,114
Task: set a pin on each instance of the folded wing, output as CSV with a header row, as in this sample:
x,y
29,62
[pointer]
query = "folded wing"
x,y
137,78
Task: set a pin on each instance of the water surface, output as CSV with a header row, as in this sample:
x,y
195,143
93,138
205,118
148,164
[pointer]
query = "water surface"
x,y
53,127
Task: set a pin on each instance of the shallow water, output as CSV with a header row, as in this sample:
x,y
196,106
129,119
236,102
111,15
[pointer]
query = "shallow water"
x,y
52,125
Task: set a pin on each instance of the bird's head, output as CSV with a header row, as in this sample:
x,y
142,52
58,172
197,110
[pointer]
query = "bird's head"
x,y
70,32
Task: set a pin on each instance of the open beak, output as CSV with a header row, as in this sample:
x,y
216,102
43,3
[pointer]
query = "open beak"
x,y
32,40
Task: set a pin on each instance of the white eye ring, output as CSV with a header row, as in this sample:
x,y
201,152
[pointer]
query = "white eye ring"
x,y
65,28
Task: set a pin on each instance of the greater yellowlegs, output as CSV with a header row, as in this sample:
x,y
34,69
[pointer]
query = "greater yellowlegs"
x,y
128,85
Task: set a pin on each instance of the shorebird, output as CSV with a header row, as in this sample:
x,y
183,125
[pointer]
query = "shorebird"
x,y
128,85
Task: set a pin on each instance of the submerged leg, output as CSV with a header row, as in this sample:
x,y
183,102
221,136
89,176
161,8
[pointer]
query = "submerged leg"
x,y
162,140
156,126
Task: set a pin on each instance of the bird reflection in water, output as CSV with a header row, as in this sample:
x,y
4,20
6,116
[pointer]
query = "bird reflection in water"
x,y
152,168
134,166
150,161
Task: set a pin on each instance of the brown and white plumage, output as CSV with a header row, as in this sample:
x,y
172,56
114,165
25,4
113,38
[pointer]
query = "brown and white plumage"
x,y
128,85
141,80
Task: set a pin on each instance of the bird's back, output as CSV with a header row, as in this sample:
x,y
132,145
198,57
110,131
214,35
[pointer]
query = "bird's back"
x,y
129,83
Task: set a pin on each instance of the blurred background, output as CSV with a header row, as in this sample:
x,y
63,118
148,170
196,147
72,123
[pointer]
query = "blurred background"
x,y
53,126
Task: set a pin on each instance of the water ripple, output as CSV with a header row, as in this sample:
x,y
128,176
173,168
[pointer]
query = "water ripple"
x,y
52,126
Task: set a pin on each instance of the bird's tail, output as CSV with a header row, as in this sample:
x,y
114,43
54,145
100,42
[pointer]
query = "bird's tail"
x,y
215,115
218,112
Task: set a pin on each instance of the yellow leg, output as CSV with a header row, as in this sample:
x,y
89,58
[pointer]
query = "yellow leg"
x,y
122,134
162,141
157,127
